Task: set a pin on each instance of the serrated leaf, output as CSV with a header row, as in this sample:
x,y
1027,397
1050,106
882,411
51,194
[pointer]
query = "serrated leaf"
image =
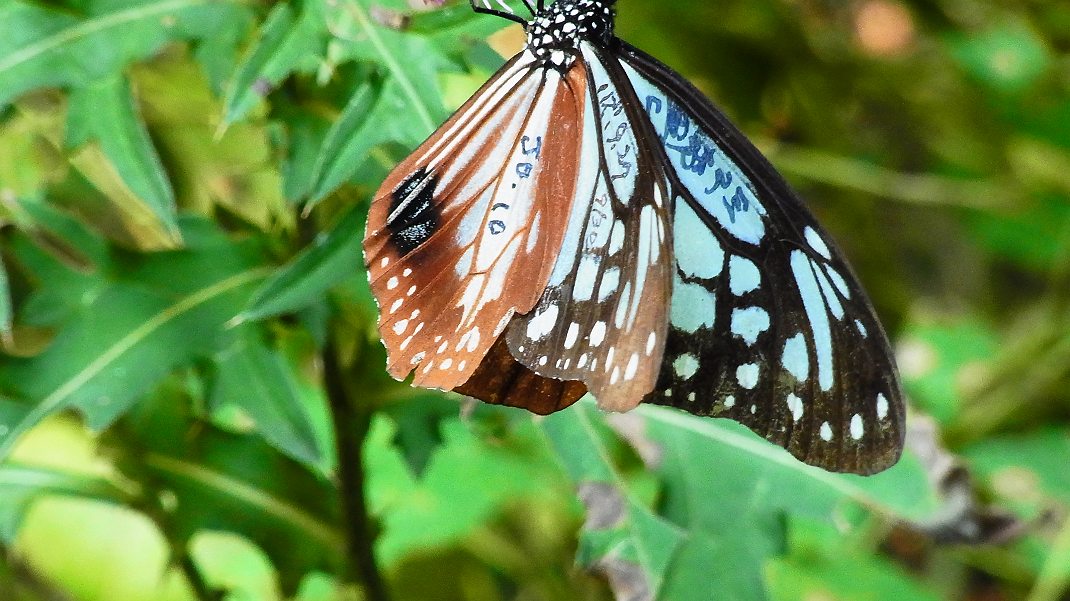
x,y
166,311
333,256
259,381
288,41
468,481
42,46
104,112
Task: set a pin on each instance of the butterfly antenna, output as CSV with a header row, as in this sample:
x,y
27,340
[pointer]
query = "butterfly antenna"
x,y
532,8
505,14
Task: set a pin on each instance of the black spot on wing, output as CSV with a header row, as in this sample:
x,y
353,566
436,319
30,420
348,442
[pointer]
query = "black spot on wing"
x,y
413,217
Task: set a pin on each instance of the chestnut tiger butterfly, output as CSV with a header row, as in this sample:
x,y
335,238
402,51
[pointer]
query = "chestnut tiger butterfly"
x,y
589,222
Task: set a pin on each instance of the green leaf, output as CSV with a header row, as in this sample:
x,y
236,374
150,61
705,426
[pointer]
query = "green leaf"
x,y
934,359
409,60
41,46
726,491
262,383
286,43
105,112
5,302
1009,58
833,570
21,485
631,538
230,482
1027,469
1033,237
357,130
468,481
167,310
332,257
410,65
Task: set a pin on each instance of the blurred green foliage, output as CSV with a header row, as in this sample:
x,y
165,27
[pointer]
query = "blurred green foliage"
x,y
192,396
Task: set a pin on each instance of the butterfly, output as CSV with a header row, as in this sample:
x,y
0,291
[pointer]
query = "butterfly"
x,y
588,222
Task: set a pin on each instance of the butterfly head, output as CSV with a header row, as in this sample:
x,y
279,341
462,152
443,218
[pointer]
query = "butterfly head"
x,y
556,31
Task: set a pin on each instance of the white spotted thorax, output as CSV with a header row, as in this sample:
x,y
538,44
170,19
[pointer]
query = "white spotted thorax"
x,y
555,34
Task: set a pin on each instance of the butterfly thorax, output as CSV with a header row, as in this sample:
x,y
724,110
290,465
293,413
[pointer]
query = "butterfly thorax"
x,y
556,32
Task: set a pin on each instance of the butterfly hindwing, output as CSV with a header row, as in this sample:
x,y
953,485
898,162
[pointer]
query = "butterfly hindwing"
x,y
768,324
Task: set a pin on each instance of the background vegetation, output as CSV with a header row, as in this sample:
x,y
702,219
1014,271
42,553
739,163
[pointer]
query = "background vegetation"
x,y
192,399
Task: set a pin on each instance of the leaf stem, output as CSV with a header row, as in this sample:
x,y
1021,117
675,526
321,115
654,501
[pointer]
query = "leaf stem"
x,y
201,589
351,421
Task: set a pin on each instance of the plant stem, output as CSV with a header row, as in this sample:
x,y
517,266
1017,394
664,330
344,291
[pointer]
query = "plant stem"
x,y
19,578
351,421
201,589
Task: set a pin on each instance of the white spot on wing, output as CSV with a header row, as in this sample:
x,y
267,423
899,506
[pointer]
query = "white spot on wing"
x,y
533,233
861,329
839,282
747,375
685,366
572,334
542,323
749,323
795,358
693,307
698,252
622,305
598,333
632,368
743,275
795,405
817,314
826,432
882,406
586,274
616,239
610,281
816,243
857,427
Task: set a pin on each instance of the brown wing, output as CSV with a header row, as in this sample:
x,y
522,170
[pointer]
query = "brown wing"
x,y
464,232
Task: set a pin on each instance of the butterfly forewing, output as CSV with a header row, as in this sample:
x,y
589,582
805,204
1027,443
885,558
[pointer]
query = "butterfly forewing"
x,y
464,232
768,325
603,317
